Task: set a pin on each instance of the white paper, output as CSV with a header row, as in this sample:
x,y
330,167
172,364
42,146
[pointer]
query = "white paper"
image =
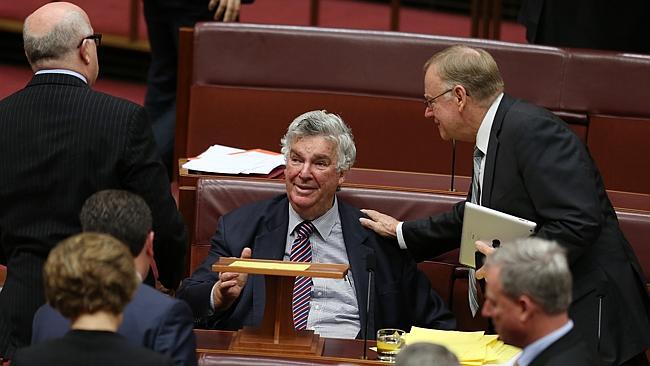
x,y
229,160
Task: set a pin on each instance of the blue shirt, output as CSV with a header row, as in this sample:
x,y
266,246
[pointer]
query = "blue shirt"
x,y
334,310
533,350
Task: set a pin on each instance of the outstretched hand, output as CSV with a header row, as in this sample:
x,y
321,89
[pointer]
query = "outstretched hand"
x,y
380,223
229,286
486,249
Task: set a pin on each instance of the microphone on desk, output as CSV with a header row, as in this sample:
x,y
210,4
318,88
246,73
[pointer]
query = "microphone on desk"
x,y
371,263
453,165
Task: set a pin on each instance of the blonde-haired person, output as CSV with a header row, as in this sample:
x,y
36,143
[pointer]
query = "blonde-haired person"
x,y
89,278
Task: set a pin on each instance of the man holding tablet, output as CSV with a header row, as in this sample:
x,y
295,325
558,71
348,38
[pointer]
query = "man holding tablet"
x,y
529,164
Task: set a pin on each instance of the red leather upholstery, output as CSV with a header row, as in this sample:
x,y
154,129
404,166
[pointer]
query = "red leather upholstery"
x,y
259,77
215,197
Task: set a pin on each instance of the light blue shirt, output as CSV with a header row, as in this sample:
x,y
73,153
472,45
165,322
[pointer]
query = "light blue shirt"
x,y
334,310
533,350
62,71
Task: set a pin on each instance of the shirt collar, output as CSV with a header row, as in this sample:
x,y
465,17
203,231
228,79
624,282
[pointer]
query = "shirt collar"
x,y
62,71
483,135
534,349
323,224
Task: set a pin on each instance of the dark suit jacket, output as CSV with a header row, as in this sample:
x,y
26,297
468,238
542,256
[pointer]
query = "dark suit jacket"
x,y
571,349
402,295
60,143
537,168
153,320
84,347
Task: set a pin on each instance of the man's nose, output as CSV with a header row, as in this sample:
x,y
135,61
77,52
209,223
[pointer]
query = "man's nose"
x,y
305,170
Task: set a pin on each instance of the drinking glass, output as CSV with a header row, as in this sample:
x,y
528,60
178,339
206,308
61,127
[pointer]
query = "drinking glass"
x,y
389,342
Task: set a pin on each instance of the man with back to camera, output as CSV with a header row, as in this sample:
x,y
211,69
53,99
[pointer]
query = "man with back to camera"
x,y
151,319
310,224
61,142
528,296
531,165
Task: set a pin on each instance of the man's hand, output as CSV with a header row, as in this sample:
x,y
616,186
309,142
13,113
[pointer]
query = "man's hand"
x,y
486,249
229,286
380,223
228,8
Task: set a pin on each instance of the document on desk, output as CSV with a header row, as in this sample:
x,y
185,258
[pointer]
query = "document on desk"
x,y
229,160
471,348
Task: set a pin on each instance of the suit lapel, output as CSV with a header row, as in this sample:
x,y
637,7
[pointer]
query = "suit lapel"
x,y
269,244
493,150
356,237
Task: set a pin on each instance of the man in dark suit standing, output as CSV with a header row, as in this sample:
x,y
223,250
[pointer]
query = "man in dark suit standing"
x,y
309,223
528,296
164,19
151,319
530,164
61,142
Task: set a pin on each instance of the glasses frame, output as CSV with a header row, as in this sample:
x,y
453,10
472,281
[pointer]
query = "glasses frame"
x,y
97,37
429,103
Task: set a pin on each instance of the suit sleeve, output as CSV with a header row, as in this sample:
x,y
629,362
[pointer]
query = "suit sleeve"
x,y
197,289
561,180
432,236
175,336
145,175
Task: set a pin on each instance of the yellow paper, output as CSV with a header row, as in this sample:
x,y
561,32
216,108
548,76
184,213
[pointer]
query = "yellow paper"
x,y
288,266
471,348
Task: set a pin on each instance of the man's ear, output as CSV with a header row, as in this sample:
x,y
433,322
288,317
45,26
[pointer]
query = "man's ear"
x,y
148,244
527,308
342,177
84,53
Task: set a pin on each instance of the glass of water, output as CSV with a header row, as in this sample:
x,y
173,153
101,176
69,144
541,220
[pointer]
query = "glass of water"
x,y
389,342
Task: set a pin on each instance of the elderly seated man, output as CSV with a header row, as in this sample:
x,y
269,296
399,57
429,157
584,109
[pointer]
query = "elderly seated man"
x,y
310,224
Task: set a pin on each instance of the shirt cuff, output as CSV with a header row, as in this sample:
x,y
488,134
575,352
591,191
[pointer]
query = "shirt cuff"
x,y
212,297
400,236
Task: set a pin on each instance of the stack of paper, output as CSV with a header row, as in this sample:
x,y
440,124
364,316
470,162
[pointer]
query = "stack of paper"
x,y
229,160
471,348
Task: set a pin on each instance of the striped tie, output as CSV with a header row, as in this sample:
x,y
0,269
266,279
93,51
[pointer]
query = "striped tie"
x,y
301,252
472,292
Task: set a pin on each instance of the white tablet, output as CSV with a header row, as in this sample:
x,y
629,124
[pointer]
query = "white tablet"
x,y
486,224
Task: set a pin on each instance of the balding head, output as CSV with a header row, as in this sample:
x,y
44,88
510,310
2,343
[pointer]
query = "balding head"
x,y
52,35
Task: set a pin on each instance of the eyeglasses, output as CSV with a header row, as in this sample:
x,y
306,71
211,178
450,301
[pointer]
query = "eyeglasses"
x,y
429,103
97,37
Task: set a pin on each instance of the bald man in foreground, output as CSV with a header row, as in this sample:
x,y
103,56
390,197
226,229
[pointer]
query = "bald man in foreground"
x,y
61,142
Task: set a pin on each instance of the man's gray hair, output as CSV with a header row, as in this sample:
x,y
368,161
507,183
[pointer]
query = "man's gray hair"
x,y
473,68
537,268
426,354
327,125
59,41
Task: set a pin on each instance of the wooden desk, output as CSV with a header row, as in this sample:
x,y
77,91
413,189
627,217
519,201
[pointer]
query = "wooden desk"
x,y
216,342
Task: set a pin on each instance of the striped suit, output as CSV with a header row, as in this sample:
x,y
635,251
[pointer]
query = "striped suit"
x,y
60,142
